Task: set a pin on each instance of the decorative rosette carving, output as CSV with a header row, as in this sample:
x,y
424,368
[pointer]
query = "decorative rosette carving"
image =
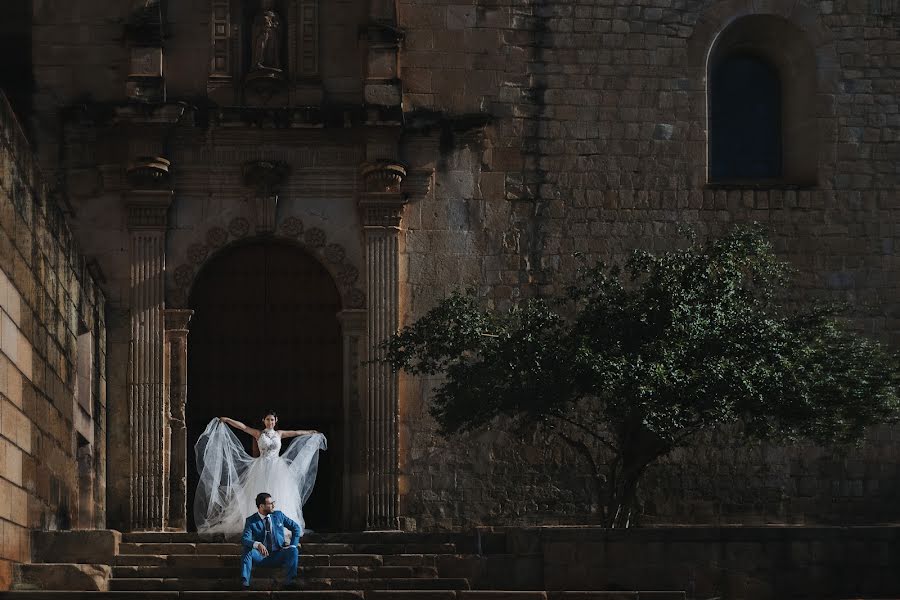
x,y
292,227
315,240
238,227
216,237
315,237
347,274
334,253
197,253
183,275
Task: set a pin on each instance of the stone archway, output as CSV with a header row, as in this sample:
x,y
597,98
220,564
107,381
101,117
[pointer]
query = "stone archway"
x,y
157,381
266,335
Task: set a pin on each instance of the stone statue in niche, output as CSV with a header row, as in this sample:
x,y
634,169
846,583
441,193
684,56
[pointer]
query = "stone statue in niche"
x,y
266,54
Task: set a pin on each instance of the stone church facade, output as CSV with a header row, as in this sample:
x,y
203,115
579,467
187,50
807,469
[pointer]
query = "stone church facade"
x,y
263,189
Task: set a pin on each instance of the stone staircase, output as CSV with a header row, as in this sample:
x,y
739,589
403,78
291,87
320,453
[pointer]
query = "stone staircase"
x,y
184,563
340,566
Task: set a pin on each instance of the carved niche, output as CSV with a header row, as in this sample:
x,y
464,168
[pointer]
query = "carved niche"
x,y
264,52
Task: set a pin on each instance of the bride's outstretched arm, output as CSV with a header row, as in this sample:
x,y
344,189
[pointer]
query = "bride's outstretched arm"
x,y
289,433
240,426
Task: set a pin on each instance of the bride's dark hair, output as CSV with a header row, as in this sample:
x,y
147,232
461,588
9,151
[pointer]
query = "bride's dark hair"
x,y
270,412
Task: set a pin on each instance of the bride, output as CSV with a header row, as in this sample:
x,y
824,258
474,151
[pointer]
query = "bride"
x,y
230,479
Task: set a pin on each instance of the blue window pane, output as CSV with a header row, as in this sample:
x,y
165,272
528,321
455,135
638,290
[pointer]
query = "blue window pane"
x,y
744,120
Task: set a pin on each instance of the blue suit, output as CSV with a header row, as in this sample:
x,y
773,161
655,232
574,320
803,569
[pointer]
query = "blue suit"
x,y
255,531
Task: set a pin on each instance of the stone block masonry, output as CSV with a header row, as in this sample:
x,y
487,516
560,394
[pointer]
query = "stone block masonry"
x,y
598,145
52,448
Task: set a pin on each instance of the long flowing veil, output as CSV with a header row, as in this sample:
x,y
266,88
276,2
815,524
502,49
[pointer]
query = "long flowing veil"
x,y
230,478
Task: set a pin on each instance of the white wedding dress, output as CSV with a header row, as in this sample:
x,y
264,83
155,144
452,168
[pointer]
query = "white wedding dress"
x,y
230,478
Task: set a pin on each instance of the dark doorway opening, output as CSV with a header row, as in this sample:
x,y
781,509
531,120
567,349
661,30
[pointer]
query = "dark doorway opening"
x,y
265,335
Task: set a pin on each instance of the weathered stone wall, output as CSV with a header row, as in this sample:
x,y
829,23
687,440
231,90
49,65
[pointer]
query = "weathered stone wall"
x,y
598,145
51,312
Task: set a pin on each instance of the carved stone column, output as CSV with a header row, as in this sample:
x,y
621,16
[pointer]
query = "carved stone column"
x,y
381,206
175,377
147,204
265,178
353,496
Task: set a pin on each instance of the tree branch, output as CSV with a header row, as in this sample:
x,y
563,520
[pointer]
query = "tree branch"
x,y
586,430
582,449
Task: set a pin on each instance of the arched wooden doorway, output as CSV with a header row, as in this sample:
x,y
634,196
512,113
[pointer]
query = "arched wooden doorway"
x,y
265,335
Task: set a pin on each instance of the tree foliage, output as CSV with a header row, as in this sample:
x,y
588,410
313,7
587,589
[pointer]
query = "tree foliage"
x,y
632,362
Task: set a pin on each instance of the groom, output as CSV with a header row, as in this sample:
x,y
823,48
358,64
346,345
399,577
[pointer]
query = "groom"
x,y
263,541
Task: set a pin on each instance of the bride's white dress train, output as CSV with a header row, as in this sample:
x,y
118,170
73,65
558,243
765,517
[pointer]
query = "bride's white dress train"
x,y
230,478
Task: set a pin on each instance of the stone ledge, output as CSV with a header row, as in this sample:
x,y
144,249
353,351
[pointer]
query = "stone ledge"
x,y
62,576
87,547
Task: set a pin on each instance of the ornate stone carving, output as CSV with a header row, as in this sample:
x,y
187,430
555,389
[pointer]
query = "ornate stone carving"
x,y
347,274
220,23
183,276
266,178
238,227
147,216
292,227
378,214
216,237
356,298
315,241
308,39
266,51
383,176
147,208
197,253
149,173
381,205
265,76
334,253
315,237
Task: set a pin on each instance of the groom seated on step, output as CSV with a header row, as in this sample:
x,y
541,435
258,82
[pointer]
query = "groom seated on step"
x,y
263,541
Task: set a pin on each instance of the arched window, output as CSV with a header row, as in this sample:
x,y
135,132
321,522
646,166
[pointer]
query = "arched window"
x,y
745,120
761,104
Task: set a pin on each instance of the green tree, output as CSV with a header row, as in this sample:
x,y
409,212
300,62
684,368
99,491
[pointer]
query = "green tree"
x,y
632,362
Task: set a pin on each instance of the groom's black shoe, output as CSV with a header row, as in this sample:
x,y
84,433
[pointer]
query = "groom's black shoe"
x,y
293,585
245,585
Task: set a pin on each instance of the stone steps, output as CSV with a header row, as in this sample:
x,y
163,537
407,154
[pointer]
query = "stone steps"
x,y
306,548
315,572
345,566
467,542
342,595
232,583
202,560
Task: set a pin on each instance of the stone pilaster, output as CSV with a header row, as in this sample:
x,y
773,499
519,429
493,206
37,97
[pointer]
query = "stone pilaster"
x,y
147,205
175,377
353,496
381,207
